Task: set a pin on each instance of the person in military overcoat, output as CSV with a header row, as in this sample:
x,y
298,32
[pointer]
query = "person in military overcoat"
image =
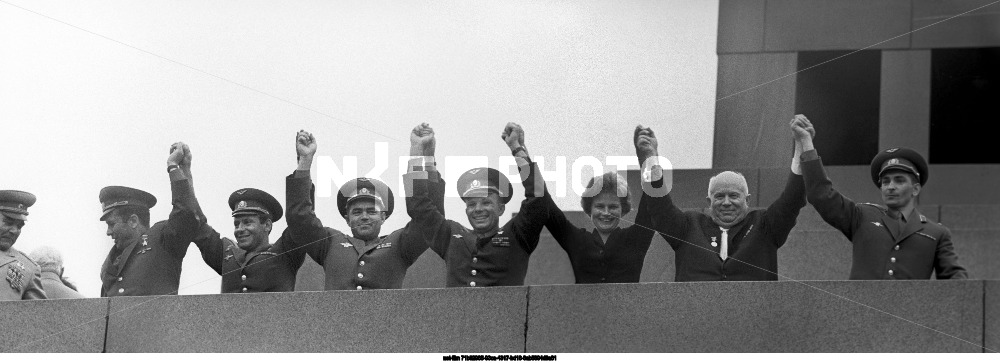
x,y
489,254
890,241
22,276
366,259
146,260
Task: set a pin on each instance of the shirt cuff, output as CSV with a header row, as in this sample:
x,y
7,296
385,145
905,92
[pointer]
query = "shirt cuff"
x,y
809,155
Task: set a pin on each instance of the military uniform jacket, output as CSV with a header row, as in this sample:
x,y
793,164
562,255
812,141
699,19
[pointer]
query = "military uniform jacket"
x,y
55,289
619,259
272,269
22,277
753,243
350,263
152,265
498,260
884,247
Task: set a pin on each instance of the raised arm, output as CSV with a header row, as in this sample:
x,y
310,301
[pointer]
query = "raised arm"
x,y
650,208
663,216
836,209
305,231
186,217
781,215
210,243
425,194
534,213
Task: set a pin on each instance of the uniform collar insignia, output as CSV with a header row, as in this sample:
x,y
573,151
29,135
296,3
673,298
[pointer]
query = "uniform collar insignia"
x,y
345,244
877,224
457,235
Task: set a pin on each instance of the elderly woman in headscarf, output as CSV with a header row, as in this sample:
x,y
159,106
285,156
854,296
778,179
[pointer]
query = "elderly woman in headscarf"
x,y
611,253
731,241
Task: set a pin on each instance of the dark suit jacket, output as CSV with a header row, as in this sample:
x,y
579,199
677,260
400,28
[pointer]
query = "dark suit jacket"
x,y
620,258
753,243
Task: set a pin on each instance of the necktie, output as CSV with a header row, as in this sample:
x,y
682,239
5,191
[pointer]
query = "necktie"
x,y
724,246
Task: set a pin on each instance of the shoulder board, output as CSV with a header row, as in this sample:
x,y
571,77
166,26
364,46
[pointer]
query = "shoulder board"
x,y
873,205
229,242
26,258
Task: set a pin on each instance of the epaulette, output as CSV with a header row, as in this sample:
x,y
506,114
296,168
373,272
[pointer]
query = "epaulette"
x,y
883,209
28,258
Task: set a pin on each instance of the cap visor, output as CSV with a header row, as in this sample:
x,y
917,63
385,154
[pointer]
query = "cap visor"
x,y
899,167
106,214
17,216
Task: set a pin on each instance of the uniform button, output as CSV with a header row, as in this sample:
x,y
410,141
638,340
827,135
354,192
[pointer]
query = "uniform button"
x,y
361,276
244,277
896,248
893,260
890,272
472,284
359,287
119,278
473,272
121,290
362,263
244,289
474,260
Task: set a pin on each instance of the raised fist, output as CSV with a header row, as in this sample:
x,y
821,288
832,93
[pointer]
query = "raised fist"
x,y
802,128
305,144
422,139
645,142
513,135
177,154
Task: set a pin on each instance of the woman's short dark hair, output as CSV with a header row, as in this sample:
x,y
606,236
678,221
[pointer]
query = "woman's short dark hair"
x,y
610,183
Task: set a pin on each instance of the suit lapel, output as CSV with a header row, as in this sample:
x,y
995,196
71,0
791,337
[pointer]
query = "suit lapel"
x,y
914,224
126,254
891,225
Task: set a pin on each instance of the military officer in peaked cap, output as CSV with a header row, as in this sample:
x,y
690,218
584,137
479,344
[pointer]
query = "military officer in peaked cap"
x,y
146,259
894,241
489,254
366,259
252,263
22,276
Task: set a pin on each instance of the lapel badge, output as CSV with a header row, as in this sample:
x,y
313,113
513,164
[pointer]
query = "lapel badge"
x,y
227,257
144,243
877,224
500,232
456,236
345,244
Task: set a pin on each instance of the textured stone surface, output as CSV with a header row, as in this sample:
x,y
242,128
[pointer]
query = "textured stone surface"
x,y
978,251
793,25
976,29
815,255
814,316
971,216
58,326
417,320
961,184
991,335
755,100
905,96
741,26
427,272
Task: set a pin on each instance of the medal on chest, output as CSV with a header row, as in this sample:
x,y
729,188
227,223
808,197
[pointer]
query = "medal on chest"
x,y
15,275
714,243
